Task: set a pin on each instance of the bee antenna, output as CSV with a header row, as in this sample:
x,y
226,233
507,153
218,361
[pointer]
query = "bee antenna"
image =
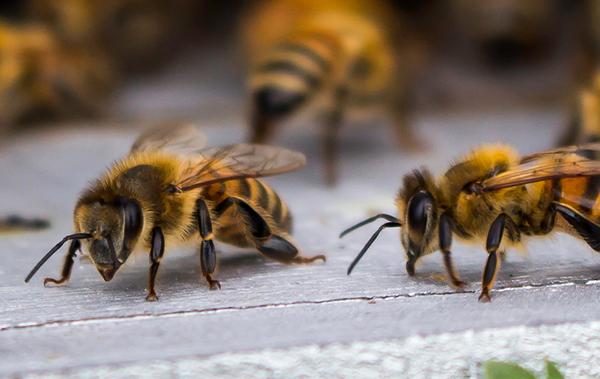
x,y
76,236
390,224
368,221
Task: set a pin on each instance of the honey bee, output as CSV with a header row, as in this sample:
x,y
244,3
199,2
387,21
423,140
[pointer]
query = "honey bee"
x,y
166,191
492,195
326,59
584,126
14,222
40,77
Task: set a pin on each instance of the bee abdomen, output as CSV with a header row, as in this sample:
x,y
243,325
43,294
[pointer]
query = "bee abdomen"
x,y
292,72
263,196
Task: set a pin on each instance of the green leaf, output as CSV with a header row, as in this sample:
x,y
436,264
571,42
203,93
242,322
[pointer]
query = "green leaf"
x,y
504,370
552,371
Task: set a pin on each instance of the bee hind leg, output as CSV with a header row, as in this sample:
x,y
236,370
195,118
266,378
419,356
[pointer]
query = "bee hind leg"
x,y
587,229
280,249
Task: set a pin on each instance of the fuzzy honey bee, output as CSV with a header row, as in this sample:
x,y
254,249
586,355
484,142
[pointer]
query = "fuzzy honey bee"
x,y
492,195
584,125
166,191
41,77
333,60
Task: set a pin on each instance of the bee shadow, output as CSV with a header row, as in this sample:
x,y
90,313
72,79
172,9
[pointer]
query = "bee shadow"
x,y
183,270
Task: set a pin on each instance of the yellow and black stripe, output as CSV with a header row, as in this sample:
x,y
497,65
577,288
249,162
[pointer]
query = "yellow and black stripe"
x,y
259,196
292,72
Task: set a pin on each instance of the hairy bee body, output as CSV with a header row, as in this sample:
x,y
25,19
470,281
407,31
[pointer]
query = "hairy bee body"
x,y
170,190
145,178
496,197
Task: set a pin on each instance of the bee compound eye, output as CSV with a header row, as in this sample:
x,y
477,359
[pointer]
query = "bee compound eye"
x,y
419,208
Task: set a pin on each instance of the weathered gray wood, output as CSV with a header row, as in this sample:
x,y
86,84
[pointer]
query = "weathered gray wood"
x,y
265,304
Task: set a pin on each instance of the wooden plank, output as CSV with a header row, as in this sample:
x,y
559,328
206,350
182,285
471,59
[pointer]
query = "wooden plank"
x,y
264,304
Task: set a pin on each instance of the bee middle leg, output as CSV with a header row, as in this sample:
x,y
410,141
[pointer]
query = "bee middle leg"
x,y
208,255
276,247
445,237
494,240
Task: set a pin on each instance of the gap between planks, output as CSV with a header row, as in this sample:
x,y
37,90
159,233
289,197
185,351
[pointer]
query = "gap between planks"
x,y
144,316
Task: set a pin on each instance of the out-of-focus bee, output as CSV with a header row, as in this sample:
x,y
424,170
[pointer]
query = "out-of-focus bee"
x,y
584,126
326,58
39,76
16,223
506,31
166,191
135,33
493,195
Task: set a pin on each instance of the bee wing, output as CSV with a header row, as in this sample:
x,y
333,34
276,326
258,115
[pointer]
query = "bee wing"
x,y
590,150
180,139
238,161
567,162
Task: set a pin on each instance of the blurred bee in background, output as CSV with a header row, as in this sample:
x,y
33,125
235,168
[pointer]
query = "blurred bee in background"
x,y
136,34
327,58
39,76
16,223
492,195
584,125
507,32
166,192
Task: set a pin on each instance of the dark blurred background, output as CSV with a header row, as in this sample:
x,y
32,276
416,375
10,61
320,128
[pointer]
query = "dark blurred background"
x,y
67,60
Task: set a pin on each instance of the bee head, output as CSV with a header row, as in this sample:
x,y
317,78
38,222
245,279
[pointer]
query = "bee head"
x,y
114,228
419,215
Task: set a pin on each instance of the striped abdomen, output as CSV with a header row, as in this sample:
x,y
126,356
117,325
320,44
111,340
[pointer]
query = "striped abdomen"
x,y
291,74
263,199
581,194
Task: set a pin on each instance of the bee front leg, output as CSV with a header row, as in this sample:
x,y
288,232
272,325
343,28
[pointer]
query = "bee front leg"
x,y
67,265
445,236
208,256
156,253
494,239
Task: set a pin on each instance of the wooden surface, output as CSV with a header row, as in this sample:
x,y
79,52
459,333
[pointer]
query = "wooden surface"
x,y
271,320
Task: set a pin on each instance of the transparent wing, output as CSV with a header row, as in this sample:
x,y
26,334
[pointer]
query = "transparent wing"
x,y
567,162
180,139
236,162
589,151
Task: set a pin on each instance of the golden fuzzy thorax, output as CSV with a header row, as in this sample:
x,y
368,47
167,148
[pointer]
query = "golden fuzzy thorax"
x,y
474,213
143,177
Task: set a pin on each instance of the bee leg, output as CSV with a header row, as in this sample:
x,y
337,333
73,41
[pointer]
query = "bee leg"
x,y
586,228
494,239
208,256
445,235
280,249
156,253
272,246
67,265
406,138
333,122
